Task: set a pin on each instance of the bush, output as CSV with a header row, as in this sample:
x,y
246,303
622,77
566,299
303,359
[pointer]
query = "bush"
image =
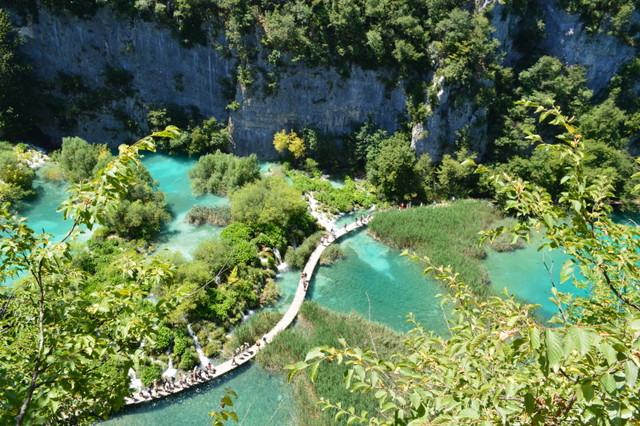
x,y
296,259
180,344
189,359
164,338
221,173
150,373
213,215
331,254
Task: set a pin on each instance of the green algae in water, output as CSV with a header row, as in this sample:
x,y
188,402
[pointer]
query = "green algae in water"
x,y
262,400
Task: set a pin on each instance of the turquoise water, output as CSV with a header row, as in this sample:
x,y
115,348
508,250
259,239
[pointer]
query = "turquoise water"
x,y
262,400
374,281
171,174
524,274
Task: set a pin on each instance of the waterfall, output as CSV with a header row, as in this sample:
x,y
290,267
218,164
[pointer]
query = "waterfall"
x,y
203,359
135,382
281,265
170,371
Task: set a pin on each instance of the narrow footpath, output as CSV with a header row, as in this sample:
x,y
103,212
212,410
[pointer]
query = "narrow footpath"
x,y
250,353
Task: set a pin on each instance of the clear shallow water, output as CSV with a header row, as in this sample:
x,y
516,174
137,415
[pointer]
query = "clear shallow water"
x,y
171,172
523,273
262,400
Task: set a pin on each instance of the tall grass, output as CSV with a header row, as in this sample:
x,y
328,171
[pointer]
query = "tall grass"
x,y
317,326
448,235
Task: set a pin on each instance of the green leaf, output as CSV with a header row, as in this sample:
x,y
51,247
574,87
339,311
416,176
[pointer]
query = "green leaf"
x,y
631,373
567,270
313,372
587,392
554,349
415,400
579,339
608,383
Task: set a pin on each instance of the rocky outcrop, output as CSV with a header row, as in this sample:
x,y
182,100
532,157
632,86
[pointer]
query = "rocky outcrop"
x,y
203,77
164,72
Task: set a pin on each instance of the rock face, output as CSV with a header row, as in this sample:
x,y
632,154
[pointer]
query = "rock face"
x,y
202,77
601,54
165,71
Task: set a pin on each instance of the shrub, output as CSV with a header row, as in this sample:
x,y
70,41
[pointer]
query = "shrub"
x,y
331,254
213,215
296,259
150,373
221,173
189,359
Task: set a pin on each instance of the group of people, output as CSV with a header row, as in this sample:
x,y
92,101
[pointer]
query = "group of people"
x,y
171,384
305,280
245,348
361,220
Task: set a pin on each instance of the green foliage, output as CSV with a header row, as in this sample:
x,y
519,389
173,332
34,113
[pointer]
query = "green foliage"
x,y
189,359
142,213
254,329
320,326
16,177
222,174
297,258
613,17
335,200
392,169
363,144
331,254
499,365
58,338
163,339
446,234
465,47
81,160
221,417
271,202
213,215
150,373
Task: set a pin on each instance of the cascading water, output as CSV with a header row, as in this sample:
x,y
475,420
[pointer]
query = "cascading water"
x,y
203,359
170,371
135,382
281,265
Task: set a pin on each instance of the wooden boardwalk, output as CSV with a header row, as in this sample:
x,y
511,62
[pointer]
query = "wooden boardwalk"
x,y
285,321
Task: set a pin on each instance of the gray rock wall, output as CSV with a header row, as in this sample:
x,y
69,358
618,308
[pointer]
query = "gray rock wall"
x,y
317,97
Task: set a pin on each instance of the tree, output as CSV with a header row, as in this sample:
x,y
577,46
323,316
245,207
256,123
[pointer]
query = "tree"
x,y
392,170
16,177
81,160
289,142
221,174
65,351
272,206
499,365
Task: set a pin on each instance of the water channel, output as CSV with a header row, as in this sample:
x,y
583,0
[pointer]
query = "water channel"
x,y
393,287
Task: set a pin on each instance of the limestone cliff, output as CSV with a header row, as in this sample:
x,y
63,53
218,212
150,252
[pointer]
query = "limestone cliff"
x,y
203,77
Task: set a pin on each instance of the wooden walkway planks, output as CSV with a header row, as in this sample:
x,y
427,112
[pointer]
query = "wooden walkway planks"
x,y
284,322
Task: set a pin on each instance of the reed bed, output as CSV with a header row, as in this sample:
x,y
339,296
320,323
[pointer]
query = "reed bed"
x,y
318,326
447,234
